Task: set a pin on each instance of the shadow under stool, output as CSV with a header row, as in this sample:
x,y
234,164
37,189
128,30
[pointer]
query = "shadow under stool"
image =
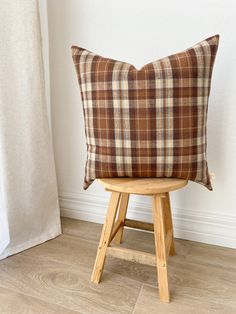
x,y
158,189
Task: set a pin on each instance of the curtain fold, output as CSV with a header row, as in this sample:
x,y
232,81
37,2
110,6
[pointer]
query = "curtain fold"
x,y
29,210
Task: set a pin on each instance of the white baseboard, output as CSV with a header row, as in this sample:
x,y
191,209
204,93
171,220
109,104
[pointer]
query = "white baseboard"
x,y
211,228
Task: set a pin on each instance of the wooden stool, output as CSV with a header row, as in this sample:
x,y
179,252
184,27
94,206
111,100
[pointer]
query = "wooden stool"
x,y
121,188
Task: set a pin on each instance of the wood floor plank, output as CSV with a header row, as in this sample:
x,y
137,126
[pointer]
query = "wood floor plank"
x,y
182,303
67,286
217,285
195,288
17,303
55,277
83,229
76,251
92,231
206,254
197,270
187,250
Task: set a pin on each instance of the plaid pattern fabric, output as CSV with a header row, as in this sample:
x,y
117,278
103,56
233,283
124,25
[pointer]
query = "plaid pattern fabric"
x,y
149,122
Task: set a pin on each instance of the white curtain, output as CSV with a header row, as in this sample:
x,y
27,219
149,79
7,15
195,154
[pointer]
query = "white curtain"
x,y
29,211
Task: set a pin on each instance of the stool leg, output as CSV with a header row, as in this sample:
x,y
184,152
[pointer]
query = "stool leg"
x,y
105,237
121,217
160,244
168,222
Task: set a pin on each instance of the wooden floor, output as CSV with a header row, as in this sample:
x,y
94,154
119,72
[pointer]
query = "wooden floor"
x,y
55,277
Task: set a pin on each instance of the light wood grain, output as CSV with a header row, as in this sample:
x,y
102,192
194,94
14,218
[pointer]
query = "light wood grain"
x,y
163,233
139,224
121,217
17,303
202,276
143,186
91,231
182,303
76,251
67,285
82,229
169,241
116,227
160,244
56,275
105,237
132,255
168,222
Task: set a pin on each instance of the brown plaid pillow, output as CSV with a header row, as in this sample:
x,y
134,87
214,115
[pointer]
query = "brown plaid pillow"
x,y
149,122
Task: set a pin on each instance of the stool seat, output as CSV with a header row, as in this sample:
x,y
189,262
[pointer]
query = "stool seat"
x,y
143,186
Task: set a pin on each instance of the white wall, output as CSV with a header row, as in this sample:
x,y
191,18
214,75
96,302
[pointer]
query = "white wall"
x,y
138,32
